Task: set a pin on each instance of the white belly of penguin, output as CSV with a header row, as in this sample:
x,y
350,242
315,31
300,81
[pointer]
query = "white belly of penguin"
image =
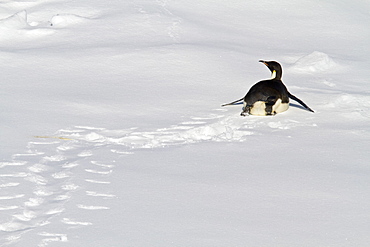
x,y
280,107
259,108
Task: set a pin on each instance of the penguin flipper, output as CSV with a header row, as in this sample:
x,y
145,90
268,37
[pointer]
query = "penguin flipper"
x,y
232,103
299,101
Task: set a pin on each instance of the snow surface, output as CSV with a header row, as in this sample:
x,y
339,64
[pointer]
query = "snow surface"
x,y
112,132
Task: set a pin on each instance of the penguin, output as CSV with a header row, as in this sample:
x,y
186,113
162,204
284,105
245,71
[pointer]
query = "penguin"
x,y
268,97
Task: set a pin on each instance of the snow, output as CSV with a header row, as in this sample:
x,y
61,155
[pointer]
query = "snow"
x,y
314,62
113,134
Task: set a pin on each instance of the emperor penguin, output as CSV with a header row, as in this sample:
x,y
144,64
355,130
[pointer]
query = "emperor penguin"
x,y
268,97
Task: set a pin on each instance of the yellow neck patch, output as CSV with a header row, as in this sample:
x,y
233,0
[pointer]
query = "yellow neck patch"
x,y
273,75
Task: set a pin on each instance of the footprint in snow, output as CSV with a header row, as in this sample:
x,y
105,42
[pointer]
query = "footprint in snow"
x,y
71,170
55,177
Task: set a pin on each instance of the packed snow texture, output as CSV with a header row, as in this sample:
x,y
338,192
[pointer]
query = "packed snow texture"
x,y
113,134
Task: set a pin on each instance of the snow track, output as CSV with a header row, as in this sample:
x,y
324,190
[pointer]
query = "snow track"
x,y
50,176
71,170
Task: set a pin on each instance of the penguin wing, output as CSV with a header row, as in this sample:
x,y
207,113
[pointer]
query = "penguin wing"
x,y
299,101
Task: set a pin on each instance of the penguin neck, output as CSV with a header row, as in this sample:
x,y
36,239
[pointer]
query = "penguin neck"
x,y
276,75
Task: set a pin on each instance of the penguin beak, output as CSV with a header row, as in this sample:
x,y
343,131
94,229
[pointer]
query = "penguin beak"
x,y
261,61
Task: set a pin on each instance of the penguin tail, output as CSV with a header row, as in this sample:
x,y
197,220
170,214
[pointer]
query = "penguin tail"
x,y
299,101
234,102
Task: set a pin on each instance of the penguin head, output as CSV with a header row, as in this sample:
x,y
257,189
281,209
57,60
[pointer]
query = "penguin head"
x,y
275,68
